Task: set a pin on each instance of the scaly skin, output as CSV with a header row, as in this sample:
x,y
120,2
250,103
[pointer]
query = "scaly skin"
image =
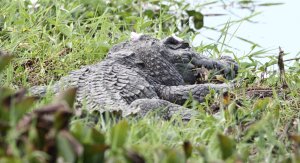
x,y
144,74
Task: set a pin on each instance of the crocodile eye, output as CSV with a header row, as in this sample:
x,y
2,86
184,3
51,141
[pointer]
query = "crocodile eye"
x,y
172,41
176,43
186,58
185,45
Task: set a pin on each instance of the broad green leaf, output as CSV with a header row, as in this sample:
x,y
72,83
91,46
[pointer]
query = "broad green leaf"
x,y
149,13
64,148
93,142
119,134
270,4
66,30
188,149
96,137
86,134
5,92
146,24
10,159
4,125
94,152
24,106
202,150
248,41
227,115
261,104
34,136
4,111
247,64
174,156
4,61
80,130
257,54
227,146
62,117
68,96
197,18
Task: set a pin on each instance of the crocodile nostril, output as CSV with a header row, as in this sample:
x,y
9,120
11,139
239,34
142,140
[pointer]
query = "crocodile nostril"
x,y
185,45
140,64
185,60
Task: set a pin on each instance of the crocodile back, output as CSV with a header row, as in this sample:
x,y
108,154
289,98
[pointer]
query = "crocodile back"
x,y
112,85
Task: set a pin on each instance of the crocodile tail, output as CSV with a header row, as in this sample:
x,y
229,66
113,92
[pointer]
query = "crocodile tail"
x,y
38,90
68,81
43,90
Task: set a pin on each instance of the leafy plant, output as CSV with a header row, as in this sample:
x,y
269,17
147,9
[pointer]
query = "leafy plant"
x,y
45,134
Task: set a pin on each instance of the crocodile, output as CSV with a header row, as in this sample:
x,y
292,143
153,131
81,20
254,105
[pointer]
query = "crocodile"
x,y
144,74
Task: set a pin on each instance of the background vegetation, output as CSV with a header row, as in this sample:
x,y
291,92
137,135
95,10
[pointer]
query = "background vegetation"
x,y
47,39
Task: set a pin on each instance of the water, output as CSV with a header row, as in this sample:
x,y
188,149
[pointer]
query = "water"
x,y
275,26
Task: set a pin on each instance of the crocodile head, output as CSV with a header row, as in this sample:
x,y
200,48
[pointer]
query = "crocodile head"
x,y
171,53
189,63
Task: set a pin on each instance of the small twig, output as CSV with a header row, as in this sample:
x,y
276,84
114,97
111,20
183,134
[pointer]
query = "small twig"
x,y
291,59
64,51
281,69
286,129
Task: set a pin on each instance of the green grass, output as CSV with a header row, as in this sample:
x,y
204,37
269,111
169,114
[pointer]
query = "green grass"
x,y
40,39
60,36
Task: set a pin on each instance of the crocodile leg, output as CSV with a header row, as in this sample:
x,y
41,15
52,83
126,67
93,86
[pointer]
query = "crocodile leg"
x,y
225,65
165,109
179,94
